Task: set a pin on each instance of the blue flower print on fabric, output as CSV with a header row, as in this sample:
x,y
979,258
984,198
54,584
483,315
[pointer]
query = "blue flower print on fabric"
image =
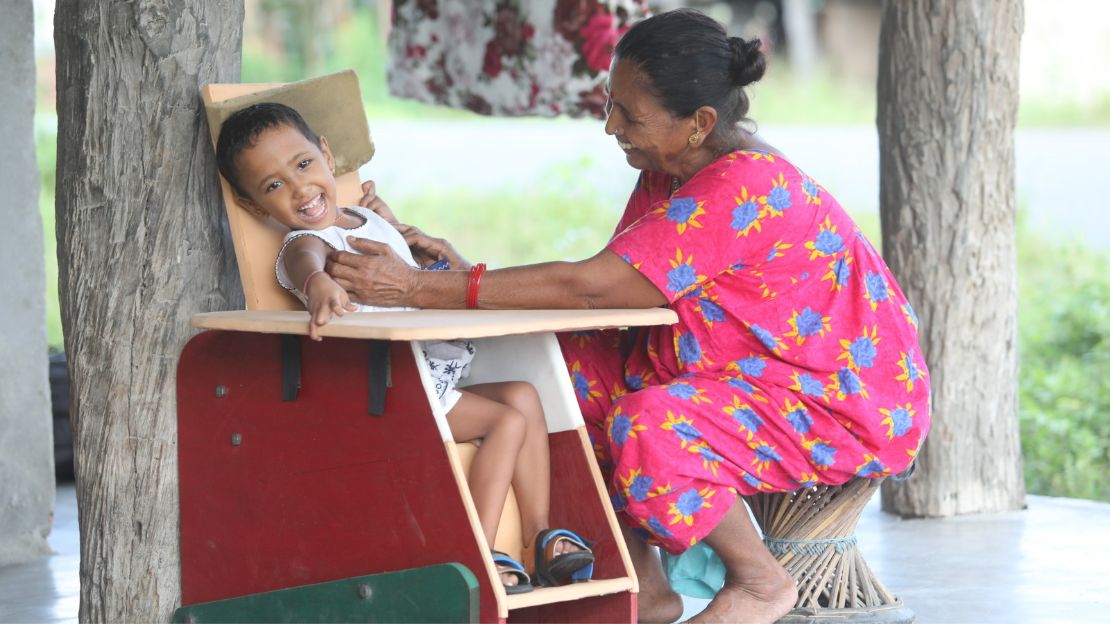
x,y
744,217
686,431
870,468
712,312
634,382
877,289
822,453
690,502
681,277
740,384
799,418
810,386
748,418
618,500
751,480
657,527
863,352
829,242
849,381
689,351
812,192
581,385
809,323
753,366
765,337
682,391
640,488
899,420
778,199
683,211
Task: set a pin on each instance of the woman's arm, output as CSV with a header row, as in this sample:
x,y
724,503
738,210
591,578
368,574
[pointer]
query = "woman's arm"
x,y
378,277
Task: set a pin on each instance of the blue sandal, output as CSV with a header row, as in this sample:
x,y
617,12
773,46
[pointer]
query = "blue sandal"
x,y
552,570
507,565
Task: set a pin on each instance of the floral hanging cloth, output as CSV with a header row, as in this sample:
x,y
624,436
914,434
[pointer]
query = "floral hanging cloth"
x,y
508,57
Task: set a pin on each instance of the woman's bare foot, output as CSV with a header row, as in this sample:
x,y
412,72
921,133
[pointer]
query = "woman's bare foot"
x,y
658,606
760,598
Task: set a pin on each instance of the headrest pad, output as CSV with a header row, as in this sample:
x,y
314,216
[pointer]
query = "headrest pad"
x,y
332,106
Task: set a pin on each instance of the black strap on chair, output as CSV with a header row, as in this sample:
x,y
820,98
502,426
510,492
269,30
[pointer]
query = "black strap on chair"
x,y
378,371
290,367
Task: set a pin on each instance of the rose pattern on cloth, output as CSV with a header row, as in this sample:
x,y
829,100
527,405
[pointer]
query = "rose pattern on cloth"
x,y
508,57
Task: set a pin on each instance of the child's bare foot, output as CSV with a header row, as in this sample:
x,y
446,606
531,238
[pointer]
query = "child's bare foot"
x,y
760,598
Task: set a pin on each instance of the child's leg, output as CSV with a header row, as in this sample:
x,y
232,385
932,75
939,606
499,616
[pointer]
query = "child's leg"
x,y
532,473
502,431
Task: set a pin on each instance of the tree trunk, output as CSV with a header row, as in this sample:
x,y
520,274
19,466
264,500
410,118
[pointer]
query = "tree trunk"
x,y
26,454
142,246
947,89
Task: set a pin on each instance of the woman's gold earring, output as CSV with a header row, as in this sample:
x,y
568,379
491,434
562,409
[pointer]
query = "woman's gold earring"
x,y
694,137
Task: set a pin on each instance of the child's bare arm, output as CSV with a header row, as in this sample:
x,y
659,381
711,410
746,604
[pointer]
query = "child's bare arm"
x,y
304,260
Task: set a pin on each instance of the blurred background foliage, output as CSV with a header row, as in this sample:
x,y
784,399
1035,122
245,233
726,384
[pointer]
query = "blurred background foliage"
x,y
1064,289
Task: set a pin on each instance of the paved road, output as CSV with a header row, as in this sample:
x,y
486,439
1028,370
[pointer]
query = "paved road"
x,y
1059,172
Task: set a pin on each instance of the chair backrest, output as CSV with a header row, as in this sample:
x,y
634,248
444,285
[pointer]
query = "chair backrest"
x,y
332,106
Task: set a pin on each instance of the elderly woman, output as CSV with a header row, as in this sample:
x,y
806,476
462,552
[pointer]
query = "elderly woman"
x,y
795,360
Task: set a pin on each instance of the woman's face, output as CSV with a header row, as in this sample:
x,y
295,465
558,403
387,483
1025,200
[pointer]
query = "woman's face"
x,y
651,137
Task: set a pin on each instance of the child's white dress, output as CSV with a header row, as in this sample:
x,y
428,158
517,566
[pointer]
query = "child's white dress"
x,y
448,360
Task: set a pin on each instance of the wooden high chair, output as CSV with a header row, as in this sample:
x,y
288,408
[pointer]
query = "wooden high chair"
x,y
304,462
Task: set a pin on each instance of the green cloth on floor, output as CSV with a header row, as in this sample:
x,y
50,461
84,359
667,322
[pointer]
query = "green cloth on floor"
x,y
698,572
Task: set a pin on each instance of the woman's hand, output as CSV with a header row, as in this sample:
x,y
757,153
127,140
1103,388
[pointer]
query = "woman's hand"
x,y
377,277
325,298
371,200
426,250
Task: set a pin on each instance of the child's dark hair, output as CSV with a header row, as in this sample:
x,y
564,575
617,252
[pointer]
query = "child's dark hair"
x,y
241,129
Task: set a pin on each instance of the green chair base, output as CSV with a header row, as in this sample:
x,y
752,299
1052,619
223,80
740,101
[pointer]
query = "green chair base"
x,y
439,593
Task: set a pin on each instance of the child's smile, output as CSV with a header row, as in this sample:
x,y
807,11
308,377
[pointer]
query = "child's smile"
x,y
289,178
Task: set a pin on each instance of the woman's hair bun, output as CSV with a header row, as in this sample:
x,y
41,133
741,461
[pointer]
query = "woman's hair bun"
x,y
748,61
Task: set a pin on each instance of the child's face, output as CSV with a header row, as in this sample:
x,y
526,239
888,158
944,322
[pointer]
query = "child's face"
x,y
287,177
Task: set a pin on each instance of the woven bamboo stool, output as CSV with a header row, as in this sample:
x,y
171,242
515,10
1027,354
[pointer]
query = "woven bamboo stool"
x,y
812,534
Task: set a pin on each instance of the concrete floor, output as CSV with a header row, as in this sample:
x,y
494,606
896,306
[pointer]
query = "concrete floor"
x,y
1050,563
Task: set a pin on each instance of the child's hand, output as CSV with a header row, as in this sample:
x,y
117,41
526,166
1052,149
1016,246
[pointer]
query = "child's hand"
x,y
371,200
426,250
325,298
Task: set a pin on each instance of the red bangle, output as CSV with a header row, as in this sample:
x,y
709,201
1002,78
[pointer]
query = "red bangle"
x,y
304,288
473,280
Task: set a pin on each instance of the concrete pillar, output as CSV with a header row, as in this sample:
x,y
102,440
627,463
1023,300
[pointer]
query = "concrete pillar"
x,y
26,436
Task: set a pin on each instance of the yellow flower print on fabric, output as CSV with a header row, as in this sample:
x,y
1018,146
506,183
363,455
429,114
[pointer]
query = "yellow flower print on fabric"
x,y
797,415
747,213
871,467
765,455
840,269
807,323
847,383
682,211
827,243
682,427
861,352
812,192
689,503
683,276
748,419
777,250
898,420
877,289
583,386
710,459
910,371
637,486
778,199
622,427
